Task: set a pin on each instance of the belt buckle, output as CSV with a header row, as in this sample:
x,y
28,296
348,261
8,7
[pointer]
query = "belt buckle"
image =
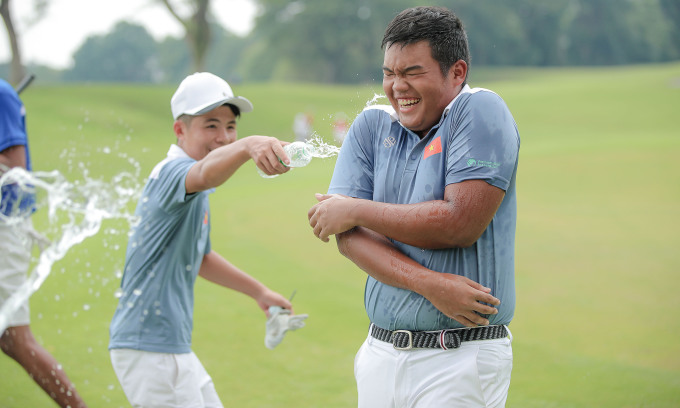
x,y
453,339
409,346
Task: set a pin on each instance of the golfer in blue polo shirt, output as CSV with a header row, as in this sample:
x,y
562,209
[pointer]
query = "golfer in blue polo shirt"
x,y
423,200
151,329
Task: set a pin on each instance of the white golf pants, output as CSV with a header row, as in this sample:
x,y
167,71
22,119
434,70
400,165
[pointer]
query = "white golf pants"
x,y
477,374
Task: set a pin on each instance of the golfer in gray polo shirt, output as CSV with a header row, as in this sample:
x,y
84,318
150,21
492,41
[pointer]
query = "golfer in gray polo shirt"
x,y
423,200
151,329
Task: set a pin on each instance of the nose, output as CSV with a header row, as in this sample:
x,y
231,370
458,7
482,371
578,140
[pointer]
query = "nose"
x,y
225,137
399,84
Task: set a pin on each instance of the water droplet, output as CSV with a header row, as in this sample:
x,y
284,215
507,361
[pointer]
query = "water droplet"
x,y
86,307
137,292
118,293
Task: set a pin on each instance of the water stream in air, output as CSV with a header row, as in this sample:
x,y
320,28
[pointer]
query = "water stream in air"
x,y
68,212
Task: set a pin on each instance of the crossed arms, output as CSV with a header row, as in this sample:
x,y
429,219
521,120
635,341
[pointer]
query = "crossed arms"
x,y
361,228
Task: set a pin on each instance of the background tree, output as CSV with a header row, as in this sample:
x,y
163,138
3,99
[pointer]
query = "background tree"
x,y
325,41
174,59
16,66
196,27
127,54
17,70
339,41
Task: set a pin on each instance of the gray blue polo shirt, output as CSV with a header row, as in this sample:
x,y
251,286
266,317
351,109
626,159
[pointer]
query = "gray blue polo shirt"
x,y
380,160
164,254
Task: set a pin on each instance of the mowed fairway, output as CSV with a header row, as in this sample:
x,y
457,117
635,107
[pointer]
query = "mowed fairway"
x,y
597,266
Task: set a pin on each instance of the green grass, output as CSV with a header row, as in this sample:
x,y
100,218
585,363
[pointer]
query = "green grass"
x,y
597,265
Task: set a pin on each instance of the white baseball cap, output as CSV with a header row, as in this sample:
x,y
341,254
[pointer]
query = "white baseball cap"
x,y
202,92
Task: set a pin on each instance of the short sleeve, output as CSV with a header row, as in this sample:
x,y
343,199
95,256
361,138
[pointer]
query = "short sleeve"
x,y
353,174
484,141
12,114
170,186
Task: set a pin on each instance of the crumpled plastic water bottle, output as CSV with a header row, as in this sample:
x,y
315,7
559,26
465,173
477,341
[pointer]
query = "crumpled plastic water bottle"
x,y
299,153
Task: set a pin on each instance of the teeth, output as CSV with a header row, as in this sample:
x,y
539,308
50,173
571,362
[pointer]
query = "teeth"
x,y
408,102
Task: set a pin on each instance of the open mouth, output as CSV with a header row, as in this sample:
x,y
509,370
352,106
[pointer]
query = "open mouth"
x,y
408,102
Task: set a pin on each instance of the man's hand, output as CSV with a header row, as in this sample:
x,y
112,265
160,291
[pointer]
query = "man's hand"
x,y
331,215
461,299
268,154
270,298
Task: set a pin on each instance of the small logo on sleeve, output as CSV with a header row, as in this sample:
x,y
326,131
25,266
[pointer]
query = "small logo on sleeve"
x,y
205,218
481,163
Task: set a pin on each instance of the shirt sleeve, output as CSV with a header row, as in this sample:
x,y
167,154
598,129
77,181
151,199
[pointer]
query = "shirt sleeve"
x,y
353,174
170,186
483,141
12,130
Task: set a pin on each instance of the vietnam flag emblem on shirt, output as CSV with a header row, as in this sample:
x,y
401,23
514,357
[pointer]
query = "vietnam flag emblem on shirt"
x,y
433,148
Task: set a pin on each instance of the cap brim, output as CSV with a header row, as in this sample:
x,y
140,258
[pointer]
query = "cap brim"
x,y
240,102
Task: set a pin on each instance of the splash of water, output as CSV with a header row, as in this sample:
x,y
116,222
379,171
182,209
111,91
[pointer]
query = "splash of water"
x,y
374,101
75,211
322,149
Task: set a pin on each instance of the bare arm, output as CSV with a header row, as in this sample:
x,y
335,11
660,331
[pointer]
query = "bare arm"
x,y
14,156
456,296
218,270
221,163
457,221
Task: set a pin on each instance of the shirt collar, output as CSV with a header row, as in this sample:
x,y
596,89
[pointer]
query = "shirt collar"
x,y
176,152
466,89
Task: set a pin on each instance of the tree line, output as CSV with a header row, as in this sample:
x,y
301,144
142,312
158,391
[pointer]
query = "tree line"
x,y
339,41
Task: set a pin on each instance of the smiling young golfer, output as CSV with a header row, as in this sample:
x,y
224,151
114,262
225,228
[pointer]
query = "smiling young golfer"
x,y
151,328
423,200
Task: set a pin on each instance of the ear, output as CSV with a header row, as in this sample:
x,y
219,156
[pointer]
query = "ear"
x,y
179,128
458,72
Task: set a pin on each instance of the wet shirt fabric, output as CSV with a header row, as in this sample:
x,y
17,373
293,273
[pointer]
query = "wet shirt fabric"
x,y
13,133
380,160
164,255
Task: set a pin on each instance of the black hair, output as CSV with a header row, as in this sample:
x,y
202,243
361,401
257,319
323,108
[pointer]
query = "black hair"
x,y
235,109
439,26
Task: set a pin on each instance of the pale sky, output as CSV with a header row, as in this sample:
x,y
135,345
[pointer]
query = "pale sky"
x,y
53,40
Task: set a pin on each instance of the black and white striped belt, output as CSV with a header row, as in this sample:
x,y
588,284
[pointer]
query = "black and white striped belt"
x,y
444,339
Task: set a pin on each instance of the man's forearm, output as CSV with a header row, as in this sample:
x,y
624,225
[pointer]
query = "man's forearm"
x,y
14,156
378,257
218,270
457,221
217,167
457,297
